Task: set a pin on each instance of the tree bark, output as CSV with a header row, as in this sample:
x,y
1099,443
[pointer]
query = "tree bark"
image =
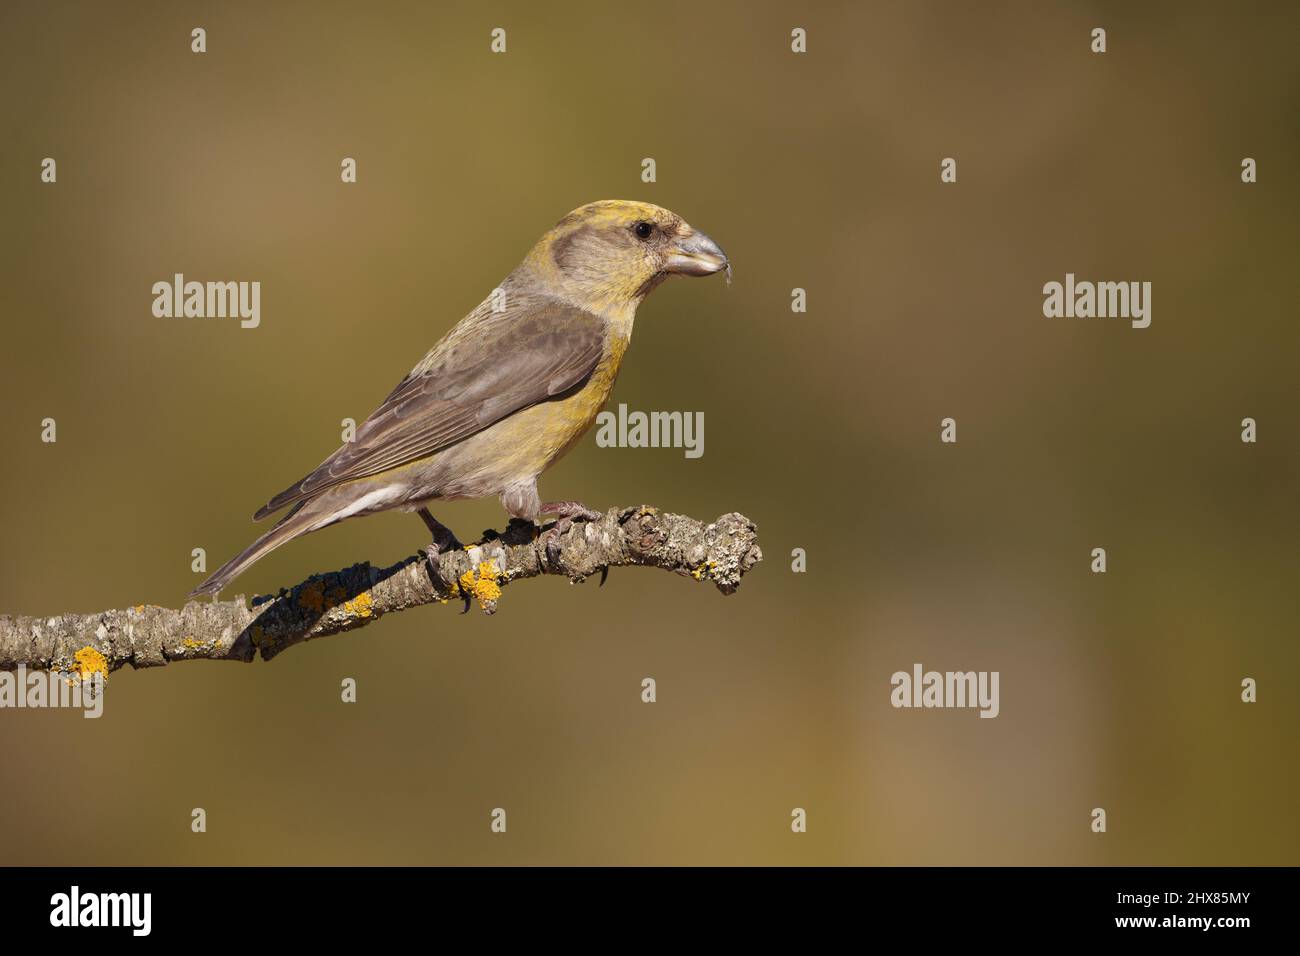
x,y
339,601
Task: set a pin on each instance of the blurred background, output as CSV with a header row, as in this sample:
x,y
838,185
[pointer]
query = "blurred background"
x,y
818,171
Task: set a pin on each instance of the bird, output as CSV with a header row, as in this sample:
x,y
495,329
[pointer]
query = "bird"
x,y
507,391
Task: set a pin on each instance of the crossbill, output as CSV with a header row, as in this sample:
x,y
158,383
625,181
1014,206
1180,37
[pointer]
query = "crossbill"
x,y
511,388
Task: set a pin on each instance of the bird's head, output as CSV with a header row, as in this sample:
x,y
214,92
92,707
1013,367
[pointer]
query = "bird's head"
x,y
610,254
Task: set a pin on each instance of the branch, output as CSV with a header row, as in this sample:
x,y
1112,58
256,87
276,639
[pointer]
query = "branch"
x,y
150,636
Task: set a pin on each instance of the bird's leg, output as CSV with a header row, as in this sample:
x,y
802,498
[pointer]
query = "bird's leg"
x,y
443,539
566,512
442,535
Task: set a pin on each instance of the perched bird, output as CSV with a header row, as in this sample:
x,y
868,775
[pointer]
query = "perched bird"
x,y
507,391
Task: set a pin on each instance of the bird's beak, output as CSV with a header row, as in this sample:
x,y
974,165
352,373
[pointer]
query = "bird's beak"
x,y
695,254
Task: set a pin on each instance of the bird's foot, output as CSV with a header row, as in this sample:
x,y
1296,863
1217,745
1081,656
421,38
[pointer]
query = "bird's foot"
x,y
566,512
553,535
443,542
433,559
569,509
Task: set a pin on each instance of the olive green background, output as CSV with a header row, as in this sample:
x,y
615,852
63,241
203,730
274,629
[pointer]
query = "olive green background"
x,y
818,171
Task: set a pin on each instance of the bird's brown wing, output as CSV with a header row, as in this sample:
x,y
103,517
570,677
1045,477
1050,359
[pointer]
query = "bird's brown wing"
x,y
476,376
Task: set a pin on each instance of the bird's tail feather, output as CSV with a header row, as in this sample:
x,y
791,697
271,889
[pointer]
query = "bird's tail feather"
x,y
292,525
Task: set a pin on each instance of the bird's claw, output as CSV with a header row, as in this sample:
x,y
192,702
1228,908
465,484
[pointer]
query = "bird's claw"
x,y
443,541
573,510
553,535
433,558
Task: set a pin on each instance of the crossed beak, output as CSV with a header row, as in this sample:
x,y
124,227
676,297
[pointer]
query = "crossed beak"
x,y
695,254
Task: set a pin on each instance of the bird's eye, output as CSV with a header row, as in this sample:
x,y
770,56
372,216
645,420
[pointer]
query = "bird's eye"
x,y
643,230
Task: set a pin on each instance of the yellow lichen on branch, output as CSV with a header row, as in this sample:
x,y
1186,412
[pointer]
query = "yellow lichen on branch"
x,y
704,570
90,662
483,586
363,605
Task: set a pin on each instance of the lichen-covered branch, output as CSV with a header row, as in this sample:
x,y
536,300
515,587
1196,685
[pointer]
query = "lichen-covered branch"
x,y
149,636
